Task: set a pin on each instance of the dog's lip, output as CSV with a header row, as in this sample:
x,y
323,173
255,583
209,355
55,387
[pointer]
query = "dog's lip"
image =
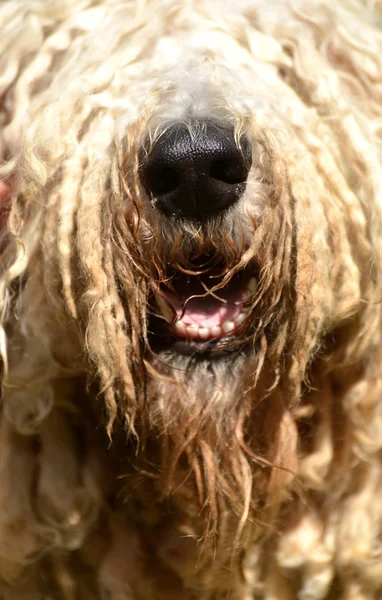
x,y
201,316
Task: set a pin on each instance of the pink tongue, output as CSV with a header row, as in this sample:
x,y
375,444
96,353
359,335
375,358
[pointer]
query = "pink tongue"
x,y
207,311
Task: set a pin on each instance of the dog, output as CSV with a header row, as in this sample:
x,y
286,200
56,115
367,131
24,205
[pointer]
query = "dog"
x,y
191,286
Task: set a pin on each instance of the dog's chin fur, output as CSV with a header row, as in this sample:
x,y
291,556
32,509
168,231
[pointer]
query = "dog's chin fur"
x,y
134,463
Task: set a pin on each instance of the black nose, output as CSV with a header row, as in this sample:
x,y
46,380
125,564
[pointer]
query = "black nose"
x,y
196,170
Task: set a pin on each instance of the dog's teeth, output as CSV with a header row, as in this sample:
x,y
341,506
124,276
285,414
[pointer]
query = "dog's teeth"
x,y
193,331
165,309
204,333
228,326
216,331
240,318
180,327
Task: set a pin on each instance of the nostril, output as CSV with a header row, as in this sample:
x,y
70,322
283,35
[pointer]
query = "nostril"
x,y
228,172
162,180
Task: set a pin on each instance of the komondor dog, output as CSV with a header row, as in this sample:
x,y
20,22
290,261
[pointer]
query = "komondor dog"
x,y
191,300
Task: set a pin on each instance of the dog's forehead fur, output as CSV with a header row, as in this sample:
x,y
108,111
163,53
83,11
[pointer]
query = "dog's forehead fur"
x,y
145,473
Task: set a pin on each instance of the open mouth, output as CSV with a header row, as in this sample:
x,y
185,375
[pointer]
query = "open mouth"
x,y
195,307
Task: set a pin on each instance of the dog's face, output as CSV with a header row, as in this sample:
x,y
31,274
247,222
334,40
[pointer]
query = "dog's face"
x,y
216,158
183,137
206,191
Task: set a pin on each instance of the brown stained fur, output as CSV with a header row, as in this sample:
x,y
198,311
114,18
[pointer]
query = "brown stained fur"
x,y
131,474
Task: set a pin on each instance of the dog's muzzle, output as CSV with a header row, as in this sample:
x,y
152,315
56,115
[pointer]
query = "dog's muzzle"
x,y
192,173
196,170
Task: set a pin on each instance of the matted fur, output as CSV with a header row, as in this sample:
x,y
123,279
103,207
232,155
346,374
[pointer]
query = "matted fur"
x,y
132,474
